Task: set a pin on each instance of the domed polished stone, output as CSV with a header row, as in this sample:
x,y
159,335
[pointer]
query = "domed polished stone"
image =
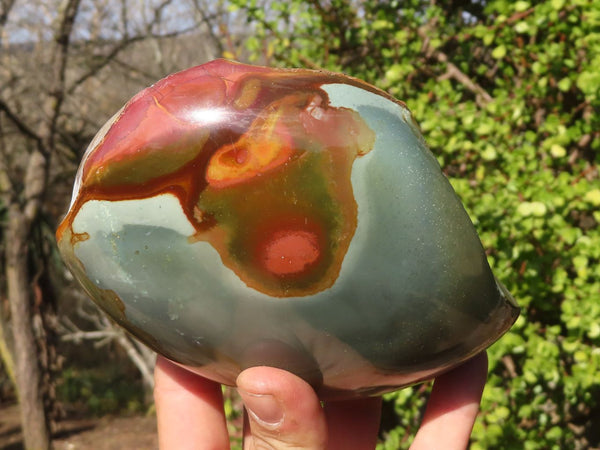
x,y
232,216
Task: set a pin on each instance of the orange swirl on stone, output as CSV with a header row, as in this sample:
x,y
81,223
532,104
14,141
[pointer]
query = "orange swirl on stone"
x,y
265,146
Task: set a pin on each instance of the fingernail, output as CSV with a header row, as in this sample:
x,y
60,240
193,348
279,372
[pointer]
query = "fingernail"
x,y
264,409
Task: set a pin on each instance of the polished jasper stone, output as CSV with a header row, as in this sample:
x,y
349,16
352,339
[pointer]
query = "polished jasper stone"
x,y
232,216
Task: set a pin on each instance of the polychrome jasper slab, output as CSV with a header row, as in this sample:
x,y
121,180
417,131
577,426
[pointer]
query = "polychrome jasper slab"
x,y
232,216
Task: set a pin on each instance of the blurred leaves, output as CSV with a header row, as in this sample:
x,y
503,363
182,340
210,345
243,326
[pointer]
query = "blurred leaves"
x,y
101,391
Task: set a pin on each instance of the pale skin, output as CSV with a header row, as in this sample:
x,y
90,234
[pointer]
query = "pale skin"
x,y
283,411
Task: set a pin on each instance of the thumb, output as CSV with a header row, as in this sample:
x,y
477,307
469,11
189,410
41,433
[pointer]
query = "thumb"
x,y
283,411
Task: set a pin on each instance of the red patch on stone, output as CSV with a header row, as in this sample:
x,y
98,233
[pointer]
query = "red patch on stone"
x,y
291,252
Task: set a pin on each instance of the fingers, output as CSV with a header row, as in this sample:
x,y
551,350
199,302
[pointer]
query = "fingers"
x,y
283,411
189,409
453,407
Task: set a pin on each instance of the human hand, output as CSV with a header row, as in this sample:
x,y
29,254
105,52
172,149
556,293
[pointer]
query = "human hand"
x,y
283,411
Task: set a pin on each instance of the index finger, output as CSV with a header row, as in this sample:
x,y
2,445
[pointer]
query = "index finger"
x,y
453,406
189,409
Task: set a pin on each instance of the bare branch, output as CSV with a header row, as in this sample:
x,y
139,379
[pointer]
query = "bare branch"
x,y
454,72
127,41
108,332
125,19
60,54
134,70
207,19
99,65
482,97
135,356
5,7
158,12
23,128
78,336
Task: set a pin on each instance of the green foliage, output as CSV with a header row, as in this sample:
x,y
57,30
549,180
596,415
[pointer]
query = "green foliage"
x,y
407,406
232,404
507,95
101,392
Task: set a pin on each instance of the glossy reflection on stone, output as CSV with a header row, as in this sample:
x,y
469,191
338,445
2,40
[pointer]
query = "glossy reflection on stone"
x,y
232,215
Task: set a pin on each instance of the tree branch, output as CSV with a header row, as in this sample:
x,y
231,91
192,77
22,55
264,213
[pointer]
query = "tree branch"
x,y
157,17
78,336
60,53
23,128
482,97
135,356
207,19
454,72
5,7
95,68
126,42
141,356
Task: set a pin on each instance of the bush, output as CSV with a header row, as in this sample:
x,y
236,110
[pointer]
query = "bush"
x,y
100,391
507,95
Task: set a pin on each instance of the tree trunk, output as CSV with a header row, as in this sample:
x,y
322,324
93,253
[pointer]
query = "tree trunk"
x,y
6,354
36,430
